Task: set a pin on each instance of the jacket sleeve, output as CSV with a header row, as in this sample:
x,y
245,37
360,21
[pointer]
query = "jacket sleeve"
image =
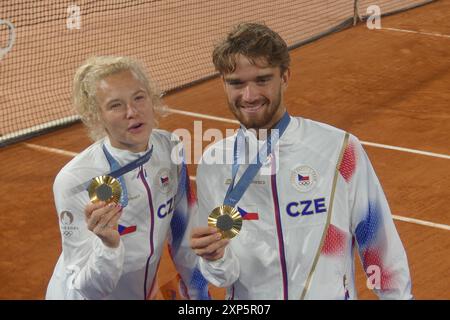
x,y
193,284
225,271
92,269
379,246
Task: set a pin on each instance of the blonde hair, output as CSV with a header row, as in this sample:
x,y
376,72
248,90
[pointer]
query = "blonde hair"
x,y
91,73
254,41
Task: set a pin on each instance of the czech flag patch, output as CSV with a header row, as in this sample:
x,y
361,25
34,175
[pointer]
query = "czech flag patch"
x,y
125,230
248,215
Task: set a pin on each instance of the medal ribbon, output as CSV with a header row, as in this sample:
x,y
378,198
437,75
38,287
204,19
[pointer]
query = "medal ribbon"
x,y
235,193
117,171
120,171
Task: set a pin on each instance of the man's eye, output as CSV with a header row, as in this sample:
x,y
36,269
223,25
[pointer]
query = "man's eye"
x,y
139,98
263,80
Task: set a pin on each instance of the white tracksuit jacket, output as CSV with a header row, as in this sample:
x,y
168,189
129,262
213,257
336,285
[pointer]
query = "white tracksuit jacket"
x,y
159,208
286,249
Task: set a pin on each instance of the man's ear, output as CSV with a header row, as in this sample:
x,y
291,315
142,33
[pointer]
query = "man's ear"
x,y
285,77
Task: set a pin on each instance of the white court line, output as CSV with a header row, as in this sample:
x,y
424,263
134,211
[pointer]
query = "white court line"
x,y
371,144
203,116
422,222
51,150
425,153
395,217
418,32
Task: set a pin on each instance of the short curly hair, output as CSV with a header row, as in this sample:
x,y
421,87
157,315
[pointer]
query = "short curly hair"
x,y
254,41
91,73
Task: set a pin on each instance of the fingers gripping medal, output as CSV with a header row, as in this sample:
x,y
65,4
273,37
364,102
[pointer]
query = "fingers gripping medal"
x,y
227,219
105,188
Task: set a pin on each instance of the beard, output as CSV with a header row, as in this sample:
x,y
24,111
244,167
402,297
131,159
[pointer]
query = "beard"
x,y
264,118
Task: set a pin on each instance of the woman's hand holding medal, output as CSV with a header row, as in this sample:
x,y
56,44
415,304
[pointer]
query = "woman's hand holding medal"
x,y
102,219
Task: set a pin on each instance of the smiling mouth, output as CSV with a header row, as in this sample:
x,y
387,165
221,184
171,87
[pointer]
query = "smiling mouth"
x,y
252,109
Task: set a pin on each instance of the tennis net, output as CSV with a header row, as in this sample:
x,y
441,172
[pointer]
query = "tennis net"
x,y
174,38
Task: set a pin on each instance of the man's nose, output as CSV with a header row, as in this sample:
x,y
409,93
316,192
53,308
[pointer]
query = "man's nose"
x,y
250,93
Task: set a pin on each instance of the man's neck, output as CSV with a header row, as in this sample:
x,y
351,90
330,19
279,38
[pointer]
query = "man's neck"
x,y
266,131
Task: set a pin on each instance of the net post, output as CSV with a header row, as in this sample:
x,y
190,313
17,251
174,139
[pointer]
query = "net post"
x,y
355,13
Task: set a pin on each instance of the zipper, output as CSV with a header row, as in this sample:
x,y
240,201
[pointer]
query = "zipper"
x,y
280,235
152,225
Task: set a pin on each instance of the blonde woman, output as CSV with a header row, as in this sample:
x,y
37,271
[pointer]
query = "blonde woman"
x,y
112,251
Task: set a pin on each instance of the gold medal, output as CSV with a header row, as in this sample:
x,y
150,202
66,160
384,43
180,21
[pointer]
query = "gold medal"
x,y
105,188
227,219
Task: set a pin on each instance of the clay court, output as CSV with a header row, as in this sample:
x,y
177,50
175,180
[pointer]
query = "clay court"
x,y
390,87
